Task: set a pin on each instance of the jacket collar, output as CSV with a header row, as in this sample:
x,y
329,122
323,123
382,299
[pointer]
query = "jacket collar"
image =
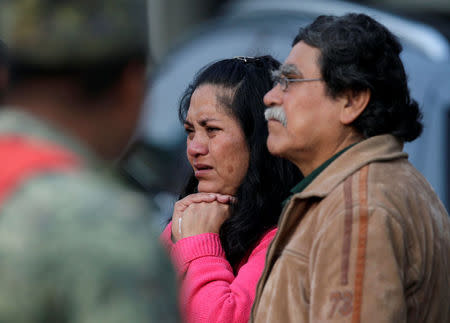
x,y
378,148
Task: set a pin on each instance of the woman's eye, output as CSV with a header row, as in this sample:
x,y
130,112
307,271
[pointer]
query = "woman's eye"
x,y
212,129
189,132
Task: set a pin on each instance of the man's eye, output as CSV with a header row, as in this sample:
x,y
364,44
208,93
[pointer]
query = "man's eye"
x,y
277,80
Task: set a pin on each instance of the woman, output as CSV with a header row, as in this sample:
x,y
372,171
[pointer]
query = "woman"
x,y
228,212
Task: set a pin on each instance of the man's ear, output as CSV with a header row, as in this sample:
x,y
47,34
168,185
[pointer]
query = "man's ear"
x,y
4,78
354,104
131,85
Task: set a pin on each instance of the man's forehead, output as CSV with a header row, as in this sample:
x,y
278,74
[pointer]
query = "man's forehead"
x,y
302,59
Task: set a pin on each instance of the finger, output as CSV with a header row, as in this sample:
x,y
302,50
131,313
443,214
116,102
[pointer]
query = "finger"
x,y
197,198
176,228
225,199
179,225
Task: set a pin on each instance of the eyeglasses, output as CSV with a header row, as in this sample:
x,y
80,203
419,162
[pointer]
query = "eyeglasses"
x,y
284,81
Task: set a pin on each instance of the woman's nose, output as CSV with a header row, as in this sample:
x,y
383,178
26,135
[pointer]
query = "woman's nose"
x,y
197,146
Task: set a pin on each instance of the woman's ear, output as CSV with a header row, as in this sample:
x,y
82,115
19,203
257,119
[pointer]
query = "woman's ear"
x,y
354,104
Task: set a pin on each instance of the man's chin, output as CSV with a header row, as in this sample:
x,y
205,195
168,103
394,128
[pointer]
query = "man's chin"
x,y
273,123
273,146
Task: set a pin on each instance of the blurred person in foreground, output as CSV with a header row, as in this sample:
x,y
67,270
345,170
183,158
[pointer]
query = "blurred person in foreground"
x,y
76,245
4,75
228,212
363,238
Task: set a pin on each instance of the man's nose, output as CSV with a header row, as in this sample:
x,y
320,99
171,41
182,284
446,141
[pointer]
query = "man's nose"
x,y
273,97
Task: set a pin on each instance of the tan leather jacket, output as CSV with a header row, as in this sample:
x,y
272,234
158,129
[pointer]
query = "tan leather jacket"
x,y
367,241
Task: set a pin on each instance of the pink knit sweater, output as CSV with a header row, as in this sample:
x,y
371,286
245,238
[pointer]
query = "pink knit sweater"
x,y
210,291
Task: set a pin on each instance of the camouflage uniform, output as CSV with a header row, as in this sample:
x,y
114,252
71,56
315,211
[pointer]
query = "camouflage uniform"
x,y
54,33
75,245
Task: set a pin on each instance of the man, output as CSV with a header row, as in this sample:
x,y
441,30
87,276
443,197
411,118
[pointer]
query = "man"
x,y
363,238
76,245
3,70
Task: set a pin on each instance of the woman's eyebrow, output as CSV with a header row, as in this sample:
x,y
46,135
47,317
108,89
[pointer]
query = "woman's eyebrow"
x,y
203,122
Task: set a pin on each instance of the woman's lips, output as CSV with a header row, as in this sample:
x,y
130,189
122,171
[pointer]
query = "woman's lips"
x,y
201,170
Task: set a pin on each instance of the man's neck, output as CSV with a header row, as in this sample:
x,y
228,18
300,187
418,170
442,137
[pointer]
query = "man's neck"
x,y
326,152
61,108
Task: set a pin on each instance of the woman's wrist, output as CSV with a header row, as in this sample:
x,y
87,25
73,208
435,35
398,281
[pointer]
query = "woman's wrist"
x,y
201,245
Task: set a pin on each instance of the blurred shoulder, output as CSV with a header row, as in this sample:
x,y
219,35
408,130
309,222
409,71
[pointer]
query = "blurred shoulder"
x,y
92,236
76,191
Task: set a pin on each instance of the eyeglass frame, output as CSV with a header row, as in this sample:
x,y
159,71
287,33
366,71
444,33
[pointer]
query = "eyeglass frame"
x,y
283,79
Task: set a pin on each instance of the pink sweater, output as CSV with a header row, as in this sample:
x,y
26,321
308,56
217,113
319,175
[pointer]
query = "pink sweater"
x,y
210,291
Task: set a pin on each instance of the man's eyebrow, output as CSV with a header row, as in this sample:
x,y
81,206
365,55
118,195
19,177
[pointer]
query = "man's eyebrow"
x,y
289,69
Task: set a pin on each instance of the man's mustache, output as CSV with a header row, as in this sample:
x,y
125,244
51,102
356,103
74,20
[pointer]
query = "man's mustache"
x,y
276,113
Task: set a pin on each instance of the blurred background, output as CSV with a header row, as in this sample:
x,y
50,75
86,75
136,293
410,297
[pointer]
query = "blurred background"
x,y
186,35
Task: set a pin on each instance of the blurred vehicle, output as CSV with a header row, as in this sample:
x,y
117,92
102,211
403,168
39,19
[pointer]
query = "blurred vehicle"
x,y
259,27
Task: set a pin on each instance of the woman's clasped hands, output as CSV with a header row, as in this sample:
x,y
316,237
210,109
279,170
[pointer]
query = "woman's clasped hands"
x,y
200,213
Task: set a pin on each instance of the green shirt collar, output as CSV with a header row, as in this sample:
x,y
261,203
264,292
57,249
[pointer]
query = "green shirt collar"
x,y
308,179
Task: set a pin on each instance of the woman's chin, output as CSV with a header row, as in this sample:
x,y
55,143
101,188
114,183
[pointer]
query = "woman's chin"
x,y
208,188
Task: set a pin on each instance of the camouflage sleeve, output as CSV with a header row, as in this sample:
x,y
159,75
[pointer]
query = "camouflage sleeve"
x,y
81,252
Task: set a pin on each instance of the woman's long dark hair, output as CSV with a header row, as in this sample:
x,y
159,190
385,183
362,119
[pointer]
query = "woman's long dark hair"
x,y
268,179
